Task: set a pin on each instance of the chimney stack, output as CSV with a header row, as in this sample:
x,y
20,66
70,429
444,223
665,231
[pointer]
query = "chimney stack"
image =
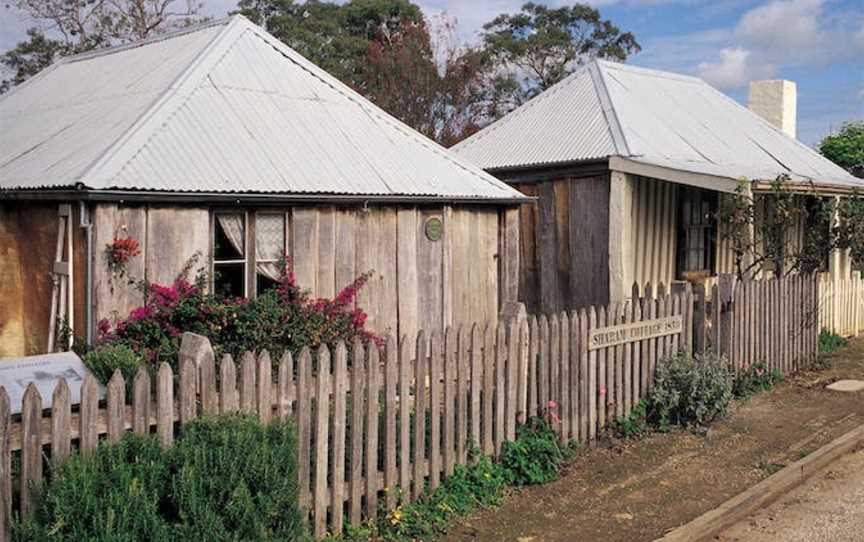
x,y
775,101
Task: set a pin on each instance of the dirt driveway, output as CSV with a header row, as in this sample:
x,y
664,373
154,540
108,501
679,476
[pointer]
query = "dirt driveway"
x,y
633,491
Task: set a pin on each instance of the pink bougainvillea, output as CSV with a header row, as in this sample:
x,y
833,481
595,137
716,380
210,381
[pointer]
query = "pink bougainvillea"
x,y
283,318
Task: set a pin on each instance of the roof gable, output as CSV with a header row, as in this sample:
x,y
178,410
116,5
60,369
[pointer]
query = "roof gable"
x,y
655,117
237,112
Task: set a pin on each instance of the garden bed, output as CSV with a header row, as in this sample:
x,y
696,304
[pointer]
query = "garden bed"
x,y
638,490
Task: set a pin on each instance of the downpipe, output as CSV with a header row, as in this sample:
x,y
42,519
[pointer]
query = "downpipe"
x,y
88,266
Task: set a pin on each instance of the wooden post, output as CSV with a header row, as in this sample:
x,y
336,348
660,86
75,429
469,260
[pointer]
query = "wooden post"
x,y
61,415
340,389
228,400
725,288
31,448
164,405
89,412
5,467
116,406
322,441
264,389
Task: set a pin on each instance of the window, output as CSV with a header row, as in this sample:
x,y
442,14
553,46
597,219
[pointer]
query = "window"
x,y
247,251
697,233
229,254
269,249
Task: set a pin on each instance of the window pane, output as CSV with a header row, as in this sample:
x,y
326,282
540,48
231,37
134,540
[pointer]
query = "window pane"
x,y
269,237
229,279
229,239
265,283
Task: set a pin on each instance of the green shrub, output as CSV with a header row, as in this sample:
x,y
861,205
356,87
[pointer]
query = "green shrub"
x,y
471,486
226,478
117,494
757,378
535,457
829,342
690,391
636,424
107,358
236,480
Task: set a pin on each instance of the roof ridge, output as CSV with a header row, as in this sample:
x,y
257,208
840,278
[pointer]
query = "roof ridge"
x,y
159,102
370,108
613,123
176,33
520,110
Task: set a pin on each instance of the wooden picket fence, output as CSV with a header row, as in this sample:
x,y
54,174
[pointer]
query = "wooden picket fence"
x,y
362,414
841,304
772,321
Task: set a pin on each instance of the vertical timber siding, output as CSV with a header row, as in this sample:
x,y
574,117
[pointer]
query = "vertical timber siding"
x,y
413,279
564,256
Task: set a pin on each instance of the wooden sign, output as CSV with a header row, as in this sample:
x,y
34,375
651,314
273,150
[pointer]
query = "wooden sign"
x,y
637,331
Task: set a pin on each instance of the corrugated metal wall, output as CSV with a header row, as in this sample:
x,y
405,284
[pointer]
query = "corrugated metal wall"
x,y
654,223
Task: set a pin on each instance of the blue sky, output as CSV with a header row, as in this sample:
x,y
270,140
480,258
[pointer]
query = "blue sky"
x,y
819,44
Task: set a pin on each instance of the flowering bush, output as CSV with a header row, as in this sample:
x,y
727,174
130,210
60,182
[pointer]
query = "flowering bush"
x,y
118,253
279,319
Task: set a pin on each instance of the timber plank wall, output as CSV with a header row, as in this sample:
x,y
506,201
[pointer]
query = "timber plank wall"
x,y
415,280
564,250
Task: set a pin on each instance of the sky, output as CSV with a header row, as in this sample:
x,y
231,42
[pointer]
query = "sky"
x,y
819,44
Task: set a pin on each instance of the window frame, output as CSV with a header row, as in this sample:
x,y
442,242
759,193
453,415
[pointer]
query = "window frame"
x,y
249,260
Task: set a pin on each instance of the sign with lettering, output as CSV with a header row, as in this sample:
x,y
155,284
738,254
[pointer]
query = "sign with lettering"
x,y
44,371
637,331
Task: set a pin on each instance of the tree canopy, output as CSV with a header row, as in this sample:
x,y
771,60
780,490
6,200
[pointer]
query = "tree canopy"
x,y
412,67
846,148
540,46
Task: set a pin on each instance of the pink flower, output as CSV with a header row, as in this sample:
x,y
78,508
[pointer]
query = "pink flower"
x,y
602,391
551,405
141,313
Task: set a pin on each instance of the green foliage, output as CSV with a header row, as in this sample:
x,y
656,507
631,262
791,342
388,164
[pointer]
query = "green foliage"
x,y
757,378
542,45
236,480
535,456
845,148
690,390
636,424
758,227
829,342
225,479
105,359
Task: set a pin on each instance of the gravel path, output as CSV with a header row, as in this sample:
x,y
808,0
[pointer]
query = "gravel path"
x,y
829,507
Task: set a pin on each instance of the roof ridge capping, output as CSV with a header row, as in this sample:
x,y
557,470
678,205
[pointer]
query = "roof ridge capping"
x,y
176,33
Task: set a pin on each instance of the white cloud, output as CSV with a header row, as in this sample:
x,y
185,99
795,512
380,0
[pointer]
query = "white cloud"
x,y
784,34
734,69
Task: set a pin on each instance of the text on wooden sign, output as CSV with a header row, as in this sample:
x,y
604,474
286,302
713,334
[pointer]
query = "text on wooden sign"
x,y
637,331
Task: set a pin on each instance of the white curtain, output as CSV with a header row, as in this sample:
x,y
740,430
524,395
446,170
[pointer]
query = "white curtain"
x,y
269,244
232,226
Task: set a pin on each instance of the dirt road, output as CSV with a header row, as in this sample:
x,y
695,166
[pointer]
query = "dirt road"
x,y
634,491
828,508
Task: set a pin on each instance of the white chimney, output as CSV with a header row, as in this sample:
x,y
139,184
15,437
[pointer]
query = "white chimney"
x,y
775,101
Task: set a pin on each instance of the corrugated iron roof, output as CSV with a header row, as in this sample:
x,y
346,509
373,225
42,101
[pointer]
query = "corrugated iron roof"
x,y
679,122
223,108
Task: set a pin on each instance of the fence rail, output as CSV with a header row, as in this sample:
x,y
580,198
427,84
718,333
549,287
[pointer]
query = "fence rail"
x,y
389,424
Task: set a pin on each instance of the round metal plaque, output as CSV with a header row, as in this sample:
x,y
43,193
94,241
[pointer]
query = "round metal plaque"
x,y
434,228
